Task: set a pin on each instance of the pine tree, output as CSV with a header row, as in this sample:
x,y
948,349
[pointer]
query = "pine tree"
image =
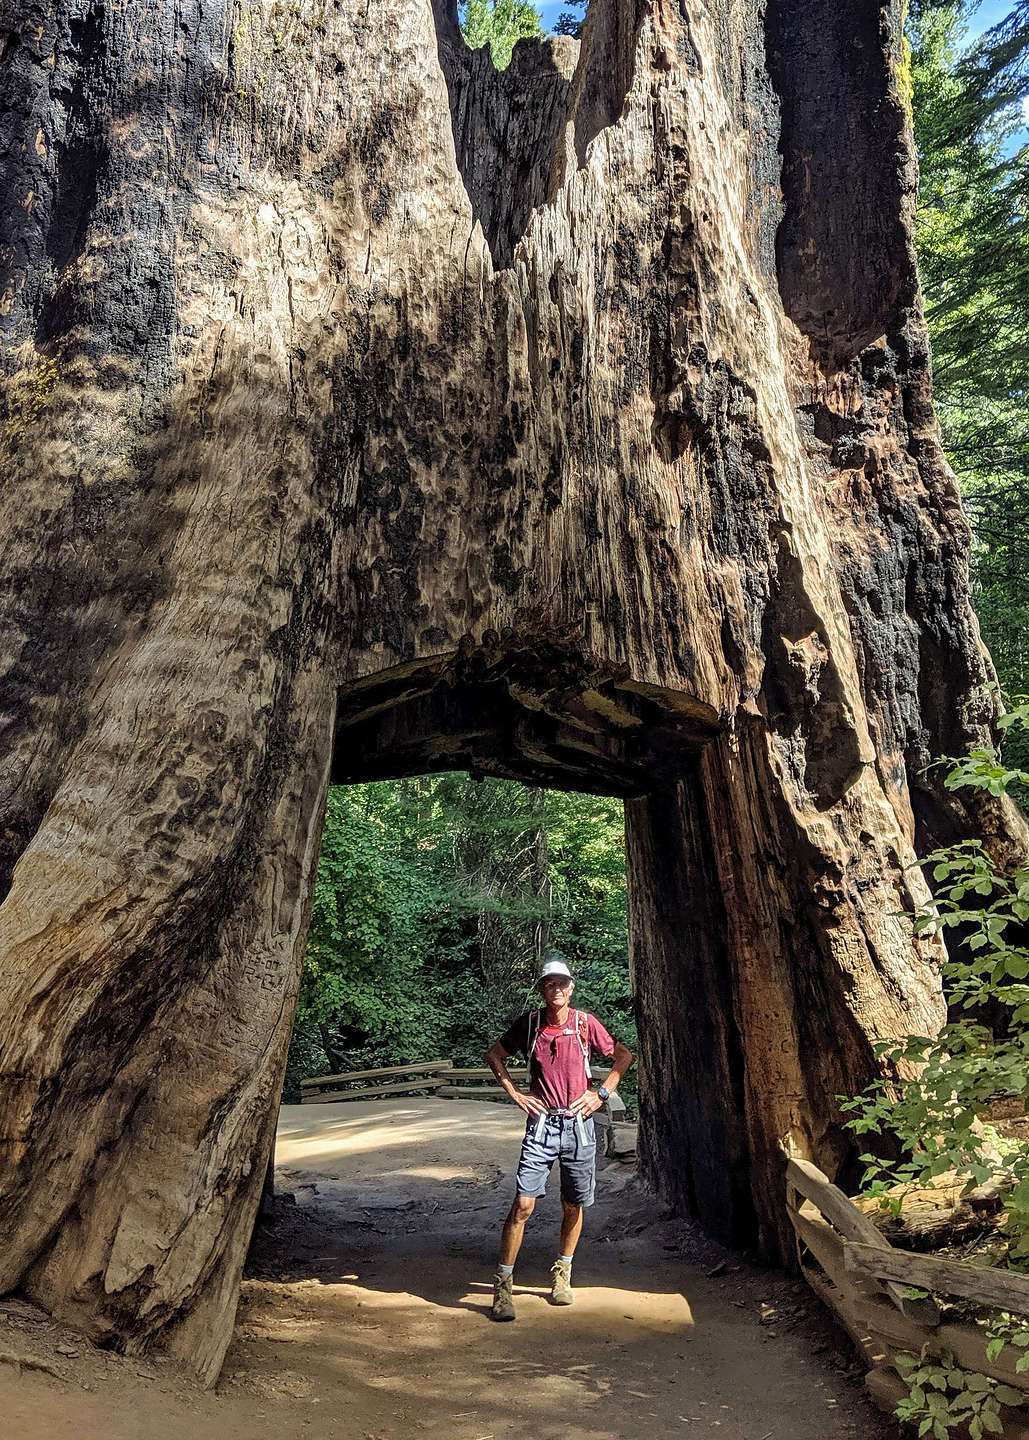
x,y
500,24
973,245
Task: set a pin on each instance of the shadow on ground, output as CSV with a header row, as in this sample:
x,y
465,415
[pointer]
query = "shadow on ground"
x,y
374,1280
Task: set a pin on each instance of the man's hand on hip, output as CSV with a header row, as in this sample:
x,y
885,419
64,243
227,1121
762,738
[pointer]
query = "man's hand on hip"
x,y
587,1104
530,1104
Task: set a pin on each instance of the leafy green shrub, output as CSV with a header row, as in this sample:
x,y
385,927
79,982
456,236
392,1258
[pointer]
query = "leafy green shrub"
x,y
943,1397
373,921
306,1059
935,1086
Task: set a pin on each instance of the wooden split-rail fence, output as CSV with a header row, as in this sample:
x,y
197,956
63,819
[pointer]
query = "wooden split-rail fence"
x,y
423,1079
430,1077
864,1281
451,1082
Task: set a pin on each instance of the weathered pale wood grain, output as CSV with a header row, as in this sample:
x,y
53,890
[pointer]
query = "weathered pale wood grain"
x,y
1001,1288
855,1226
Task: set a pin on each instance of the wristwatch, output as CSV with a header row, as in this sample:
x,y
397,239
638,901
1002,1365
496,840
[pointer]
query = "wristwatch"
x,y
603,1093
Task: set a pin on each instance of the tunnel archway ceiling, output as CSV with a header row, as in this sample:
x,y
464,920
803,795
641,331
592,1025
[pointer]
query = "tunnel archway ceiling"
x,y
534,711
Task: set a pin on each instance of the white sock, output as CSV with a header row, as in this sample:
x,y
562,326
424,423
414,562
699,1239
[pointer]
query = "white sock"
x,y
506,1269
565,1259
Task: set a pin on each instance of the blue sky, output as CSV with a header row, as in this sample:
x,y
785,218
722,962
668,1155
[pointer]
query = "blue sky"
x,y
988,13
552,9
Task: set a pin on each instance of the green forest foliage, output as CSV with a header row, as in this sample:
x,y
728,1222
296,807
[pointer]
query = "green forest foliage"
x,y
570,22
500,24
973,251
434,900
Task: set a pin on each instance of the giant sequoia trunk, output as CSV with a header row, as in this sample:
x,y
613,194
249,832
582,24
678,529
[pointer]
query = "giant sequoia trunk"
x,y
369,412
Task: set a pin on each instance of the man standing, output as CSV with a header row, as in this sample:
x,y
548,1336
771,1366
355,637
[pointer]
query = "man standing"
x,y
557,1042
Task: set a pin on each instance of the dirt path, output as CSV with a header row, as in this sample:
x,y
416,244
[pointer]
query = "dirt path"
x,y
364,1315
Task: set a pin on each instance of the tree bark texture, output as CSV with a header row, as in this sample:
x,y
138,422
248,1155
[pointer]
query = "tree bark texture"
x,y
368,412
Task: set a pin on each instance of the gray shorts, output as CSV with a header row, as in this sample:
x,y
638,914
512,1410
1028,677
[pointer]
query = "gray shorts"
x,y
560,1141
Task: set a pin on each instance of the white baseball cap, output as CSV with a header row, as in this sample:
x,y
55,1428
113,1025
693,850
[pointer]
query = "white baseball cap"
x,y
555,966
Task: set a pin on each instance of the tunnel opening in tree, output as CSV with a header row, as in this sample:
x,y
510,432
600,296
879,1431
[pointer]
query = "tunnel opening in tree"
x,y
539,710
436,899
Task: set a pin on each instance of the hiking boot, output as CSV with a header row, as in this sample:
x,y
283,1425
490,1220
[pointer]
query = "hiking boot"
x,y
561,1283
503,1297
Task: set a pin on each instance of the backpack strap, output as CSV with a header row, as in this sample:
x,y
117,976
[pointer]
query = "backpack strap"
x,y
582,1030
530,1041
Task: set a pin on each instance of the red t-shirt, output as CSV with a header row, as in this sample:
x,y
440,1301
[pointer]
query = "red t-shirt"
x,y
557,1070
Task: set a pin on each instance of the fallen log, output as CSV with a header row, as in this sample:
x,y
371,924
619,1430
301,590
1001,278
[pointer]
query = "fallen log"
x,y
857,1271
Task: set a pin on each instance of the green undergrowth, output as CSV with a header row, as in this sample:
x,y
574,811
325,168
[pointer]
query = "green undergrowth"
x,y
933,1090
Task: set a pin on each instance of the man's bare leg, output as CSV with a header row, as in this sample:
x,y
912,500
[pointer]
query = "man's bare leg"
x,y
514,1228
571,1226
510,1244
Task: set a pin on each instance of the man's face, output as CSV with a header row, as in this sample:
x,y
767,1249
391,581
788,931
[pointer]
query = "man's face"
x,y
557,989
